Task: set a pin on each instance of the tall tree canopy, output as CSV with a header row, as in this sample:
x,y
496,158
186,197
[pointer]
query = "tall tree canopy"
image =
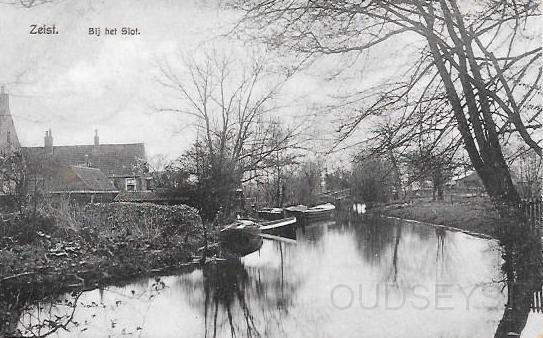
x,y
475,80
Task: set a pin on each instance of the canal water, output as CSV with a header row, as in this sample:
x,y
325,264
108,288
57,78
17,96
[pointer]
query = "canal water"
x,y
354,277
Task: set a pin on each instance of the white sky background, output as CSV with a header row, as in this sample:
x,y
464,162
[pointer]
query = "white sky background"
x,y
74,83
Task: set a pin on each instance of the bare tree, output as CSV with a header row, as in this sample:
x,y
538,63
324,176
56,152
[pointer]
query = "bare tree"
x,y
434,163
28,3
237,137
477,73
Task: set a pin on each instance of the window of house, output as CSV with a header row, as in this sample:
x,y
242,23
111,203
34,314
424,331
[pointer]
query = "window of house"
x,y
130,184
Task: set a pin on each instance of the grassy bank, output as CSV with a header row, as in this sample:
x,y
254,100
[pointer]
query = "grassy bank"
x,y
474,214
56,249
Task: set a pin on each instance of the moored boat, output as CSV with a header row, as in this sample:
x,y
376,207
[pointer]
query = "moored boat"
x,y
295,210
318,213
241,237
271,214
283,227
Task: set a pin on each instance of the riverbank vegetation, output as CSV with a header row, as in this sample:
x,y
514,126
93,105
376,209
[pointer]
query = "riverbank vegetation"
x,y
97,244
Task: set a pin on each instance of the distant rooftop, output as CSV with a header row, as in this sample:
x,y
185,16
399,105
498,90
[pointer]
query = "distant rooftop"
x,y
80,179
112,159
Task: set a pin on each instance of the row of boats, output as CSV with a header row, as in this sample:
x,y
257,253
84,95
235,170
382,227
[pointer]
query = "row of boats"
x,y
245,235
302,213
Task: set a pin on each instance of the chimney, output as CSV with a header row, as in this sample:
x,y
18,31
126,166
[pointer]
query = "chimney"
x,y
48,141
96,138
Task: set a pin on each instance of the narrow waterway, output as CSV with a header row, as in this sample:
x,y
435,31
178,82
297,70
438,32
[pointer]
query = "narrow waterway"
x,y
355,277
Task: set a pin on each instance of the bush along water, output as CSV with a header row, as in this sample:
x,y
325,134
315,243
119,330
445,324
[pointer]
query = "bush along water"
x,y
96,244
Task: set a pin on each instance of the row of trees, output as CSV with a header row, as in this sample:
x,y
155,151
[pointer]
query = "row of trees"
x,y
241,141
377,178
473,83
474,79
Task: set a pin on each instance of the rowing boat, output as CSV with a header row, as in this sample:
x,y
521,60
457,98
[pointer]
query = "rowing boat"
x,y
241,237
313,214
271,214
283,227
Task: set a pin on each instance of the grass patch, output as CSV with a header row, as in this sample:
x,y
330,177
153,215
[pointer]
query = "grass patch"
x,y
475,214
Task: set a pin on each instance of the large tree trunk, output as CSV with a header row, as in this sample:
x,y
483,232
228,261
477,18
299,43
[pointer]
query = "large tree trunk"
x,y
486,156
472,110
498,183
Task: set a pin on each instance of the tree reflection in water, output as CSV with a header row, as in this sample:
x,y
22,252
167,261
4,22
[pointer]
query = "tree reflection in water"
x,y
34,312
382,243
42,312
239,300
267,293
523,273
380,239
223,284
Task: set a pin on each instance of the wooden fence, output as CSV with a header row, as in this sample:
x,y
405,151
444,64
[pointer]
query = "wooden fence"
x,y
533,209
537,302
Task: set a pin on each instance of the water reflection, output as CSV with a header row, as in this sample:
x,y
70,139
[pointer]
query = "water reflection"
x,y
224,285
356,276
522,268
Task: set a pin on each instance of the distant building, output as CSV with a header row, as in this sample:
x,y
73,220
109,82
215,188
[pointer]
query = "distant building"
x,y
82,183
79,169
469,180
122,164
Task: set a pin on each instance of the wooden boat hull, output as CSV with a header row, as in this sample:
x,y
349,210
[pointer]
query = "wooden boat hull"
x,y
241,240
271,214
317,216
284,227
309,215
295,211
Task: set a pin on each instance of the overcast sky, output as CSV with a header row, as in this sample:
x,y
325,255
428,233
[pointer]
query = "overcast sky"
x,y
74,83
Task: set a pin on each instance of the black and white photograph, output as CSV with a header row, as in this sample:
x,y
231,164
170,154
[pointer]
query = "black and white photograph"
x,y
271,168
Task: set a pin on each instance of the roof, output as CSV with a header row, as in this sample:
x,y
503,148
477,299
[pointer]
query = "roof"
x,y
114,160
467,175
76,178
472,177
